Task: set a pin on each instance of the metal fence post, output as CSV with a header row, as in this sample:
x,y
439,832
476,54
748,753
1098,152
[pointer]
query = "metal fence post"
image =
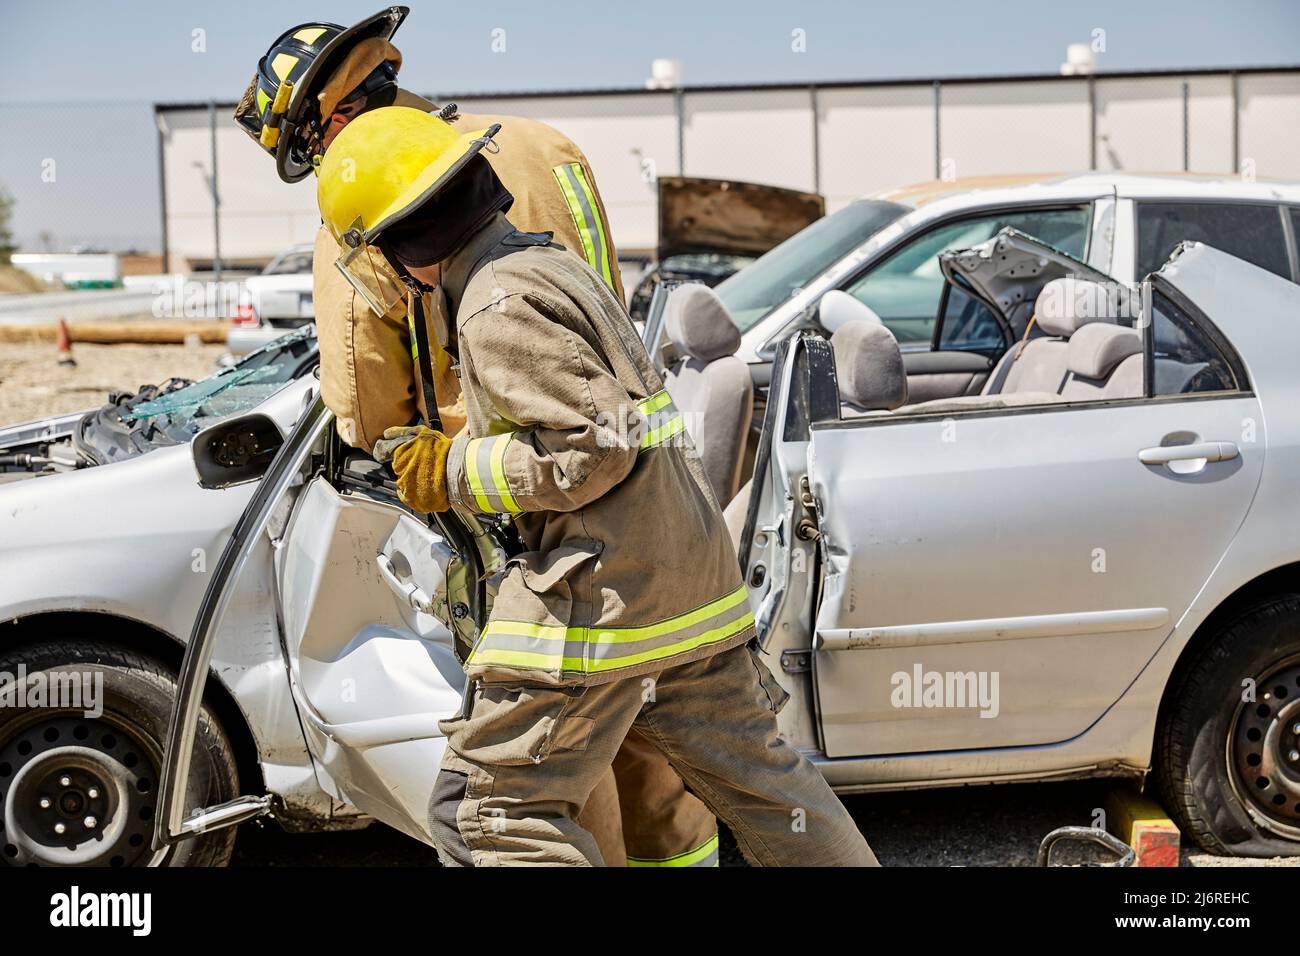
x,y
816,140
1092,122
938,155
681,131
216,195
162,185
1236,123
1186,126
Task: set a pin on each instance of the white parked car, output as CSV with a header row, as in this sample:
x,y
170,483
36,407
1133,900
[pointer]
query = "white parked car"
x,y
107,546
277,301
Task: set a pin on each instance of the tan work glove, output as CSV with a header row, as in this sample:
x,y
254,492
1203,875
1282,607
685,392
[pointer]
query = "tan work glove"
x,y
419,457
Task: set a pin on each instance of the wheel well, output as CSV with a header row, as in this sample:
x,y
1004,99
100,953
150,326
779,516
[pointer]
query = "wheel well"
x,y
1280,580
145,639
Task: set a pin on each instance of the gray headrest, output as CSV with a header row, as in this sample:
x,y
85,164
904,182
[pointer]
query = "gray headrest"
x,y
869,366
699,324
1066,305
837,308
1096,349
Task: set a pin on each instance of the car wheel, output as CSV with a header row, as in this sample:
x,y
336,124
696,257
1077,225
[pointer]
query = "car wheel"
x,y
1228,748
80,764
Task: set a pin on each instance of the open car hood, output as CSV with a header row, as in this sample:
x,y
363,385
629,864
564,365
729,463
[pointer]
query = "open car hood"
x,y
731,218
1008,271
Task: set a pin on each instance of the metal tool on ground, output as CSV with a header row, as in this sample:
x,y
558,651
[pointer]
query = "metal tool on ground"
x,y
1125,853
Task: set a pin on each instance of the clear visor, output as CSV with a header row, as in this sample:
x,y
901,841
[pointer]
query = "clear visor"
x,y
370,275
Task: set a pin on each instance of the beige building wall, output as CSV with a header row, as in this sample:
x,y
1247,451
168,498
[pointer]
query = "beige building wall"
x,y
845,141
989,129
872,139
1270,125
627,139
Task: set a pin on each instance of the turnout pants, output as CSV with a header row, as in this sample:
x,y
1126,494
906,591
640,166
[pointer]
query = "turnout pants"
x,y
523,759
641,813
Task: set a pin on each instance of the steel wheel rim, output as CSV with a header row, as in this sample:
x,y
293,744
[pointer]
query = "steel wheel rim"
x,y
96,778
1263,750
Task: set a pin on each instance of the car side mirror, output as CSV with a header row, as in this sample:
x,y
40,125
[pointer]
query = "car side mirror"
x,y
236,450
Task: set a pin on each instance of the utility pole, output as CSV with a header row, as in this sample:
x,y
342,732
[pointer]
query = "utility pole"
x,y
216,196
1187,131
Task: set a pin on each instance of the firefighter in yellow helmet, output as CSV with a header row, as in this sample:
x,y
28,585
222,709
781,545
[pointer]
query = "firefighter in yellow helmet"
x,y
625,608
314,79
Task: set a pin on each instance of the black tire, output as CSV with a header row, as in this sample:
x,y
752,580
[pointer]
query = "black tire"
x,y
98,776
1225,764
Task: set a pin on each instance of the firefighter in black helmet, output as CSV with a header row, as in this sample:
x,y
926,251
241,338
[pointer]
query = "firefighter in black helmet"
x,y
279,109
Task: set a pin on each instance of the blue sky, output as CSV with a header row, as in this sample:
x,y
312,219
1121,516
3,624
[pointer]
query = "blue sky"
x,y
75,49
78,71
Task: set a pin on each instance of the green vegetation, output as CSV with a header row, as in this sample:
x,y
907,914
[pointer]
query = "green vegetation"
x,y
7,246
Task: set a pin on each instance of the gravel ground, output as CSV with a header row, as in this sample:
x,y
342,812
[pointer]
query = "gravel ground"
x,y
33,385
973,826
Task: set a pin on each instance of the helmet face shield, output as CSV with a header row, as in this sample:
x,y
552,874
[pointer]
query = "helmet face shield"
x,y
363,266
247,115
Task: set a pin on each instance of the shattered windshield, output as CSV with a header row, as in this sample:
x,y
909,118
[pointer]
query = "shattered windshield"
x,y
173,412
236,390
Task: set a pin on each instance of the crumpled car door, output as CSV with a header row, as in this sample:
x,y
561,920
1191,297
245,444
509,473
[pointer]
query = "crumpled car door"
x,y
173,824
372,667
359,583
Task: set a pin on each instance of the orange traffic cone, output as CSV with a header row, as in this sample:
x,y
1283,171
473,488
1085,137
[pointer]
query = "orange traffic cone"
x,y
65,346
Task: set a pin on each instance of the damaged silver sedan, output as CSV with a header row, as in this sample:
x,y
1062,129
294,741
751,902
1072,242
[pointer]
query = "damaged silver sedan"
x,y
1089,569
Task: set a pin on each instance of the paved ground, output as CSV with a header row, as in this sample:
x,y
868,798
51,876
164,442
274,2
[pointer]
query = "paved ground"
x,y
975,826
33,385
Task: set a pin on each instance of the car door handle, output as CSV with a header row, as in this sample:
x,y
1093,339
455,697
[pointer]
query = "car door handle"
x,y
408,591
1208,450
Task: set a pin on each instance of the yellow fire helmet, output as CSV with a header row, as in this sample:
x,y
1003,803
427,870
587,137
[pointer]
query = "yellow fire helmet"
x,y
380,168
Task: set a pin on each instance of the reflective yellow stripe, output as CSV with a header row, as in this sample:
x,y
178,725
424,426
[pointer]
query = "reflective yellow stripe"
x,y
537,660
555,647
579,219
655,402
662,420
282,64
585,210
310,35
485,474
603,240
472,477
706,854
661,434
499,474
619,635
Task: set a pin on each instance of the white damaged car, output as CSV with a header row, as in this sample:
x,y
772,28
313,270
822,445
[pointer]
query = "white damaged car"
x,y
1090,568
106,547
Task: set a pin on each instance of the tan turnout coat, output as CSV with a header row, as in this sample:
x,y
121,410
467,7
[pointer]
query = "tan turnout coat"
x,y
628,567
